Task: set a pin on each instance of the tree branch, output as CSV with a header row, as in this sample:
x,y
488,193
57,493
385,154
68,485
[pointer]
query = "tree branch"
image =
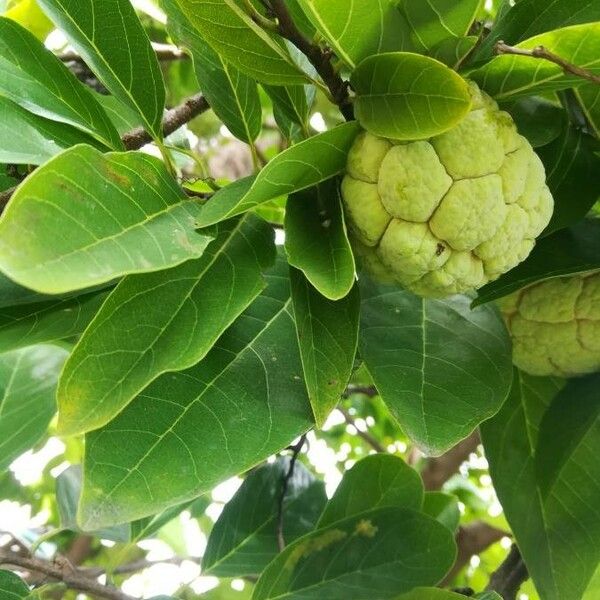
x,y
284,488
62,570
172,121
365,435
320,60
509,576
439,469
472,539
543,53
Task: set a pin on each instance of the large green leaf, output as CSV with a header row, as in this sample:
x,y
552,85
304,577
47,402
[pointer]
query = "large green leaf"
x,y
161,322
112,41
12,586
360,29
408,96
440,367
377,554
527,18
316,241
190,430
378,481
48,321
299,167
85,218
243,541
230,30
543,448
68,493
432,21
566,252
327,335
232,96
27,139
572,164
27,386
511,76
37,81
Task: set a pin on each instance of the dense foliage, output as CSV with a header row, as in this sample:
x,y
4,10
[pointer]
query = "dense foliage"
x,y
263,264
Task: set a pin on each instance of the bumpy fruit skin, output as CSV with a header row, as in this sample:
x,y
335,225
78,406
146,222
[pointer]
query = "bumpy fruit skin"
x,y
449,214
555,326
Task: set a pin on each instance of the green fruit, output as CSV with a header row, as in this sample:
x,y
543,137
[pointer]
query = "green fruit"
x,y
555,326
449,214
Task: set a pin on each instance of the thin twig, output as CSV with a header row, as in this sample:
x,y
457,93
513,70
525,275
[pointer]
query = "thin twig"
x,y
545,54
284,488
62,570
319,59
173,120
365,435
509,576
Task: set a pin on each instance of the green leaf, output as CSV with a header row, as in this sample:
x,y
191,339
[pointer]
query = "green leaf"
x,y
432,21
572,165
47,321
527,18
589,98
38,139
112,41
160,322
39,82
190,430
565,252
27,387
360,29
12,586
443,508
377,481
378,553
328,336
316,241
97,217
543,449
440,367
510,76
68,491
299,167
408,96
232,96
540,121
226,26
453,51
487,596
243,541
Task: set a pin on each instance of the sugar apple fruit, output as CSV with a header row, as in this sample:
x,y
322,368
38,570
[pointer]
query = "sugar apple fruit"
x,y
446,215
555,326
